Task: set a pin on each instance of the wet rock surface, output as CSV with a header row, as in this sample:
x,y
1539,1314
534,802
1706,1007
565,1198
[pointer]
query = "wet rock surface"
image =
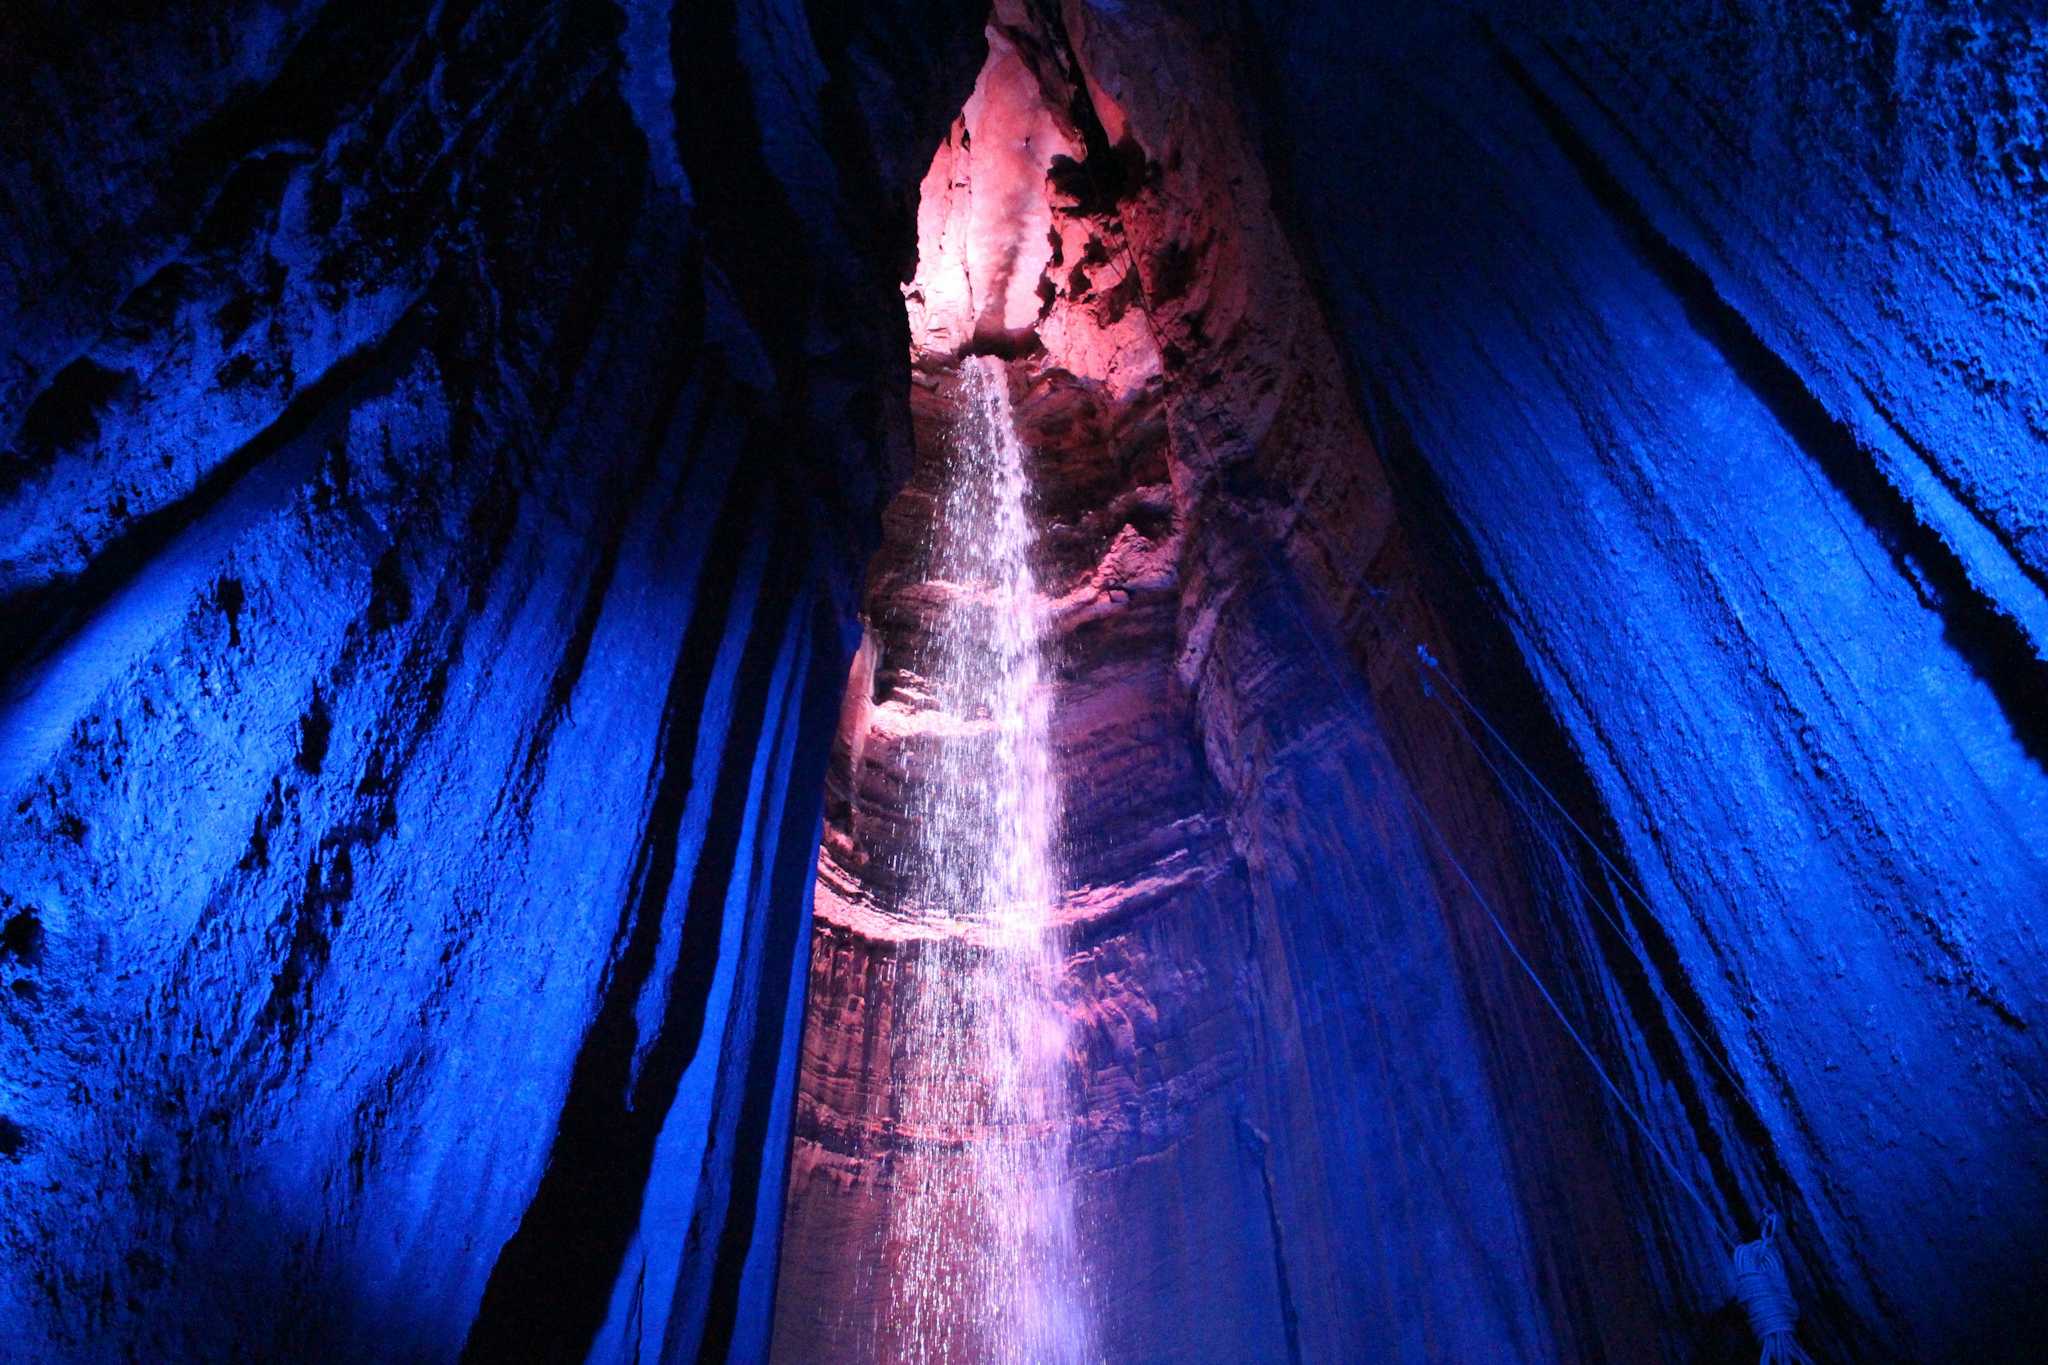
x,y
1666,308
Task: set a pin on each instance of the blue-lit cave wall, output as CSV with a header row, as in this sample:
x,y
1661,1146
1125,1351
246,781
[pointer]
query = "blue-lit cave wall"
x,y
441,443
1714,334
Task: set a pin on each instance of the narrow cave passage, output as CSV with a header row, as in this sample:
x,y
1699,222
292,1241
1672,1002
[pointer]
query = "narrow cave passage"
x,y
1086,680
944,1081
1231,1198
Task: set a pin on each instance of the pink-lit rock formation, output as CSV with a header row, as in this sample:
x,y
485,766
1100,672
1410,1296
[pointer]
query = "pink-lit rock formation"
x,y
982,218
1287,1144
1510,332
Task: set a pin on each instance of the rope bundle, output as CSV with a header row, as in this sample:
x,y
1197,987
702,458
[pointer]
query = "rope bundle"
x,y
1766,1296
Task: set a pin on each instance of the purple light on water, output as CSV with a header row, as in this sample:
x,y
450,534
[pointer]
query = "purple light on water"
x,y
981,1261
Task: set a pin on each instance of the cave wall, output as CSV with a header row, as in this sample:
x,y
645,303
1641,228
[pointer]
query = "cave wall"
x,y
1716,331
442,443
1299,1067
1680,394
443,447
1362,1118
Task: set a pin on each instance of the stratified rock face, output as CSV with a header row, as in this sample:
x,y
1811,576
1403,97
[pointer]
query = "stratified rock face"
x,y
441,444
1288,1142
1719,330
440,450
1702,362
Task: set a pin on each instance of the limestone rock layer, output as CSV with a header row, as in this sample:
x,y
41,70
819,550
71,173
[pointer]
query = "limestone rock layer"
x,y
1505,346
1509,472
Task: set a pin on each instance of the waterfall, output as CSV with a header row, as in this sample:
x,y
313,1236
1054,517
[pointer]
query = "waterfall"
x,y
982,1260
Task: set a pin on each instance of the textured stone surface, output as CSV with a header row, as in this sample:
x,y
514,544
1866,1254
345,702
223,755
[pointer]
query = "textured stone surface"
x,y
441,446
1702,360
1288,1144
1717,330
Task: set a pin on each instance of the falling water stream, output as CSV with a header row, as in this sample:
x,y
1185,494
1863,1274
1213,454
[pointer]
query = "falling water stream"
x,y
983,1263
